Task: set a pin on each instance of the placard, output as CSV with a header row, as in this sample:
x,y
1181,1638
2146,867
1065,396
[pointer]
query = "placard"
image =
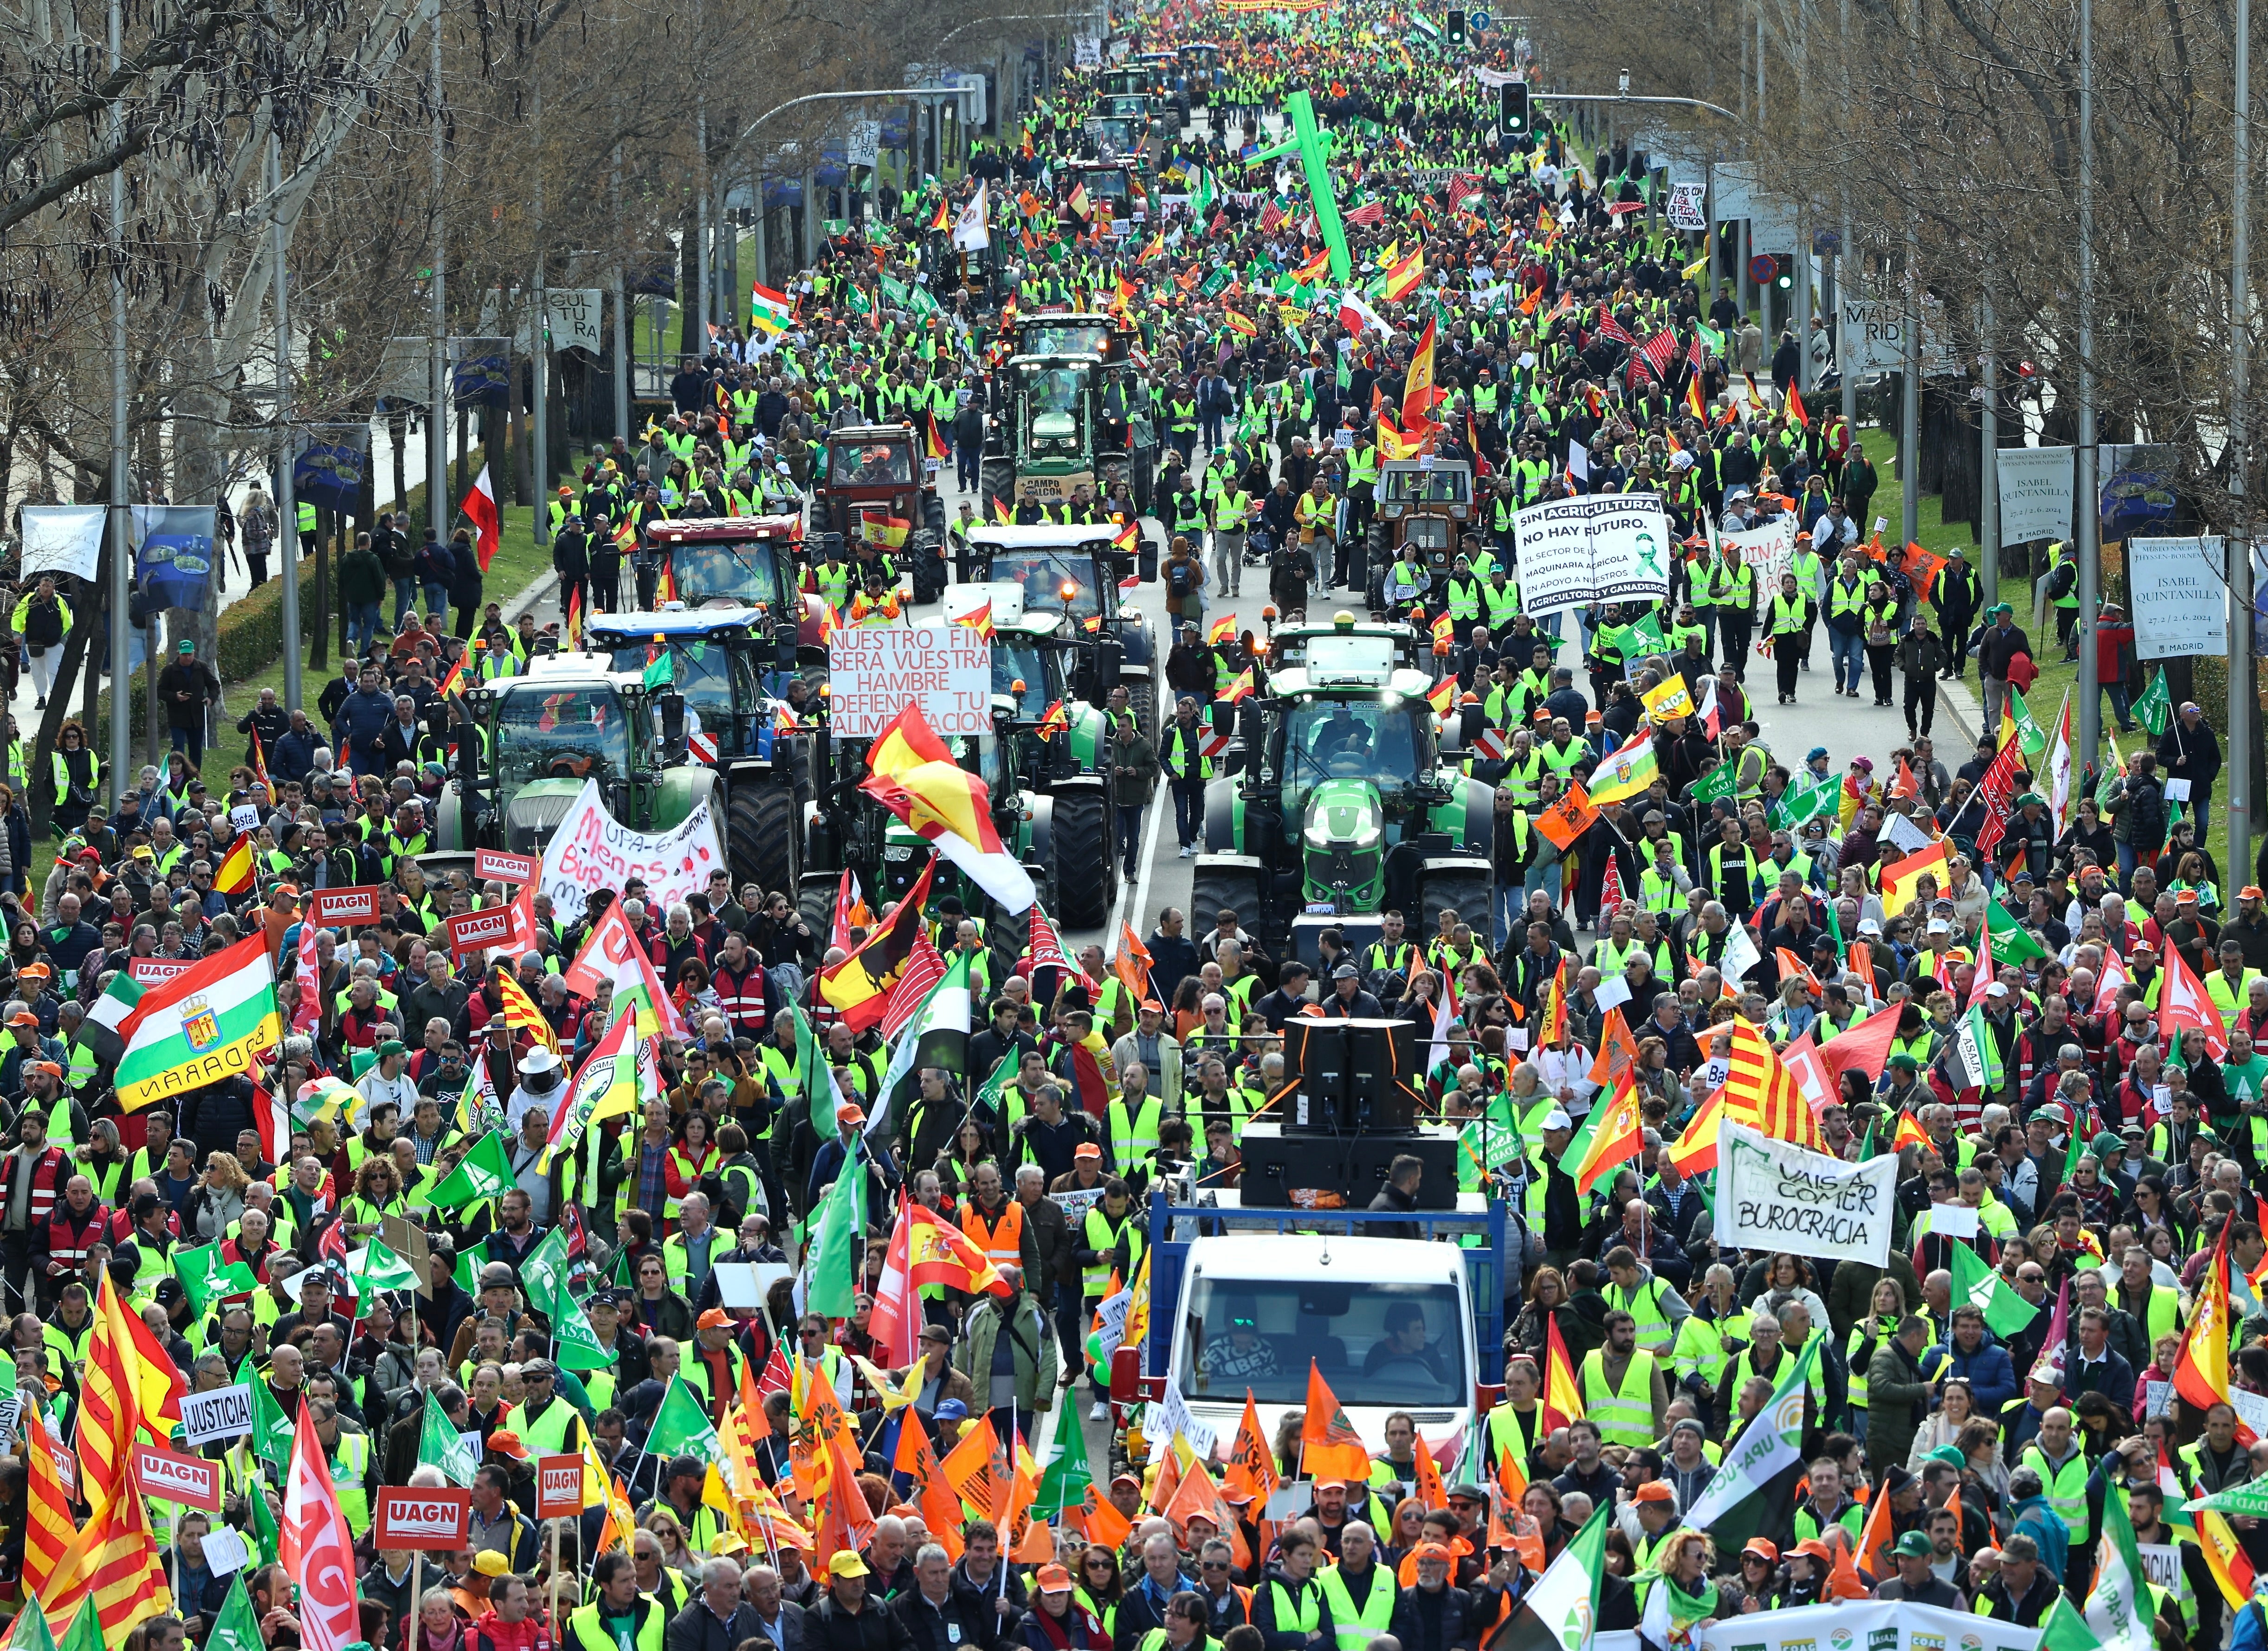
x,y
2036,485
149,970
1864,1625
558,1487
1605,547
170,1477
245,816
864,146
226,1551
2162,1563
173,552
1776,1196
2177,597
496,866
875,671
593,850
1769,549
219,1413
343,908
1074,1203
421,1518
1687,208
62,539
1174,1418
473,933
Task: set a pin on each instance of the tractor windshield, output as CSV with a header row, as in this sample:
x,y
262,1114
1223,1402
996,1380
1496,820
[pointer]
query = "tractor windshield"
x,y
544,733
1065,338
872,464
1390,744
1056,405
1042,574
744,571
1019,659
1110,184
1442,484
713,679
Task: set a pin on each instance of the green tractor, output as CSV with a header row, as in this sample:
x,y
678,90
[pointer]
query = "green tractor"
x,y
1340,803
1066,420
1075,570
537,738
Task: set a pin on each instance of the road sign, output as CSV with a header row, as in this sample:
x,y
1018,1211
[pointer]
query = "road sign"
x,y
170,1477
1479,22
1762,268
421,1518
558,1487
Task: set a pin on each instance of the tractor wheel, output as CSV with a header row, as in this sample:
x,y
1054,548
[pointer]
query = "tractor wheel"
x,y
1082,838
933,515
1217,888
1468,893
759,833
996,484
814,903
1142,697
1146,473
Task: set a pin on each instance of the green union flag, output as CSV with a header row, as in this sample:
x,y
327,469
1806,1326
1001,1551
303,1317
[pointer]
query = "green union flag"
x,y
440,1446
1805,798
1723,780
380,1269
485,1173
272,1431
237,1627
2156,706
206,1277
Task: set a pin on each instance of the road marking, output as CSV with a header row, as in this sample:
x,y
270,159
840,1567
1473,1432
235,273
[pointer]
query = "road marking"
x,y
1142,885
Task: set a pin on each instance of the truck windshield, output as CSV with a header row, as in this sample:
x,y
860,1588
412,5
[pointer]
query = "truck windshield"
x,y
1065,338
1354,739
745,571
572,731
1043,574
1401,1344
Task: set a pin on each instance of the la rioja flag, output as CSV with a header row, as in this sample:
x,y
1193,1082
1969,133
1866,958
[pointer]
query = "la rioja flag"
x,y
480,509
314,1545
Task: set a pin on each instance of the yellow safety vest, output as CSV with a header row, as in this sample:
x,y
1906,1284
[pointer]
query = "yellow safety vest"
x,y
1625,1418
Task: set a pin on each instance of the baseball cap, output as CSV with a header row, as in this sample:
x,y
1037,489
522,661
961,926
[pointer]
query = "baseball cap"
x,y
26,1019
1087,1149
847,1563
1765,1548
186,645
1433,1550
1557,1119
1913,1545
1654,1491
489,1562
850,1114
506,1443
1812,1548
1053,1579
715,1317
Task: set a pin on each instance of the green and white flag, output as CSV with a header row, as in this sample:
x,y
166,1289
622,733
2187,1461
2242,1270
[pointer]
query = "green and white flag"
x,y
237,1626
29,1632
682,1426
1772,1444
831,1268
1565,1598
2006,1312
1807,796
273,1432
545,1274
439,1444
1064,1475
2011,941
2250,1499
2063,1629
2155,708
374,1267
206,1277
2120,1607
2030,734
937,1036
484,1173
1976,1062
1204,190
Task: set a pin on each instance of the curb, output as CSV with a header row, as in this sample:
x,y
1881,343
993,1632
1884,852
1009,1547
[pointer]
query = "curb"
x,y
534,592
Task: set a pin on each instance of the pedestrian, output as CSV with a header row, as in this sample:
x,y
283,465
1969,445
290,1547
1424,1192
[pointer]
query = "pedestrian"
x,y
186,687
1181,754
1134,777
1919,655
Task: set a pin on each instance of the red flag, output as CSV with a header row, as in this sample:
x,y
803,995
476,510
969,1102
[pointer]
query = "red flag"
x,y
2184,1004
315,1546
480,509
895,1326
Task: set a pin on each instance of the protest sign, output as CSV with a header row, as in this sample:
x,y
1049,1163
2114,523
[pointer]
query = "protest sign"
x,y
1778,1195
1174,1418
1606,546
495,863
172,1477
1686,212
422,1517
344,908
149,970
473,933
217,1413
875,671
593,851
1768,549
2036,493
2177,597
1862,1625
558,1487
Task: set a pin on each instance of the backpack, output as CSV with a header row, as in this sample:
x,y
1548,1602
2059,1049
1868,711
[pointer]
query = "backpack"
x,y
1177,578
2060,581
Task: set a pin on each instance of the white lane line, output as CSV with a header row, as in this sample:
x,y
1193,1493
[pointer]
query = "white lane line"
x,y
1141,889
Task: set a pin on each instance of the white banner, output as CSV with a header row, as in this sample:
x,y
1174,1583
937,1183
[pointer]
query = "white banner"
x,y
2036,493
876,670
1687,210
1865,1625
2177,596
62,539
220,1413
575,312
1595,547
1776,1196
864,147
593,851
1769,549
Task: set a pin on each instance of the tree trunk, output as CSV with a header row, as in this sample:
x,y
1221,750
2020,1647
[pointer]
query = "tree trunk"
x,y
397,432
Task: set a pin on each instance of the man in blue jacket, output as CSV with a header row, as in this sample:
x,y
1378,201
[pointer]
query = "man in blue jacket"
x,y
1980,1361
360,729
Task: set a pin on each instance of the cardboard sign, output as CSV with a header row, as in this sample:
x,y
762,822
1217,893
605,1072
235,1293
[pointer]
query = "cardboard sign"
x,y
495,863
170,1477
409,1241
592,850
338,908
421,1518
149,972
473,933
245,816
221,1413
558,1487
874,670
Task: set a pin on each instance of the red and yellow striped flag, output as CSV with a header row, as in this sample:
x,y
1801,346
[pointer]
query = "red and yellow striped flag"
x,y
234,876
1759,1085
522,1014
113,1561
110,1402
47,1523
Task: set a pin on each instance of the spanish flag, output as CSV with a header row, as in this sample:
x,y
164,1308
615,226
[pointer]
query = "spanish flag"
x,y
943,220
1155,249
936,448
1077,201
1056,721
1128,538
1244,325
978,619
885,529
1900,877
1403,276
1442,695
1223,630
1694,404
234,876
1001,512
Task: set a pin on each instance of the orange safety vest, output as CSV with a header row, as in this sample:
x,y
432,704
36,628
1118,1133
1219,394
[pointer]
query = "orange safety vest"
x,y
1003,1243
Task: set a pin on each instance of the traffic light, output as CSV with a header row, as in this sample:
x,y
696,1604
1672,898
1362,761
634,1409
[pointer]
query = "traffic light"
x,y
1513,122
1783,271
1456,26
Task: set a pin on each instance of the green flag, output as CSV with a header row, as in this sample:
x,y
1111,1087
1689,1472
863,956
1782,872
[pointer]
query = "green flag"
x,y
2063,1629
2156,706
681,1426
2120,1607
2030,734
2006,1312
440,1446
30,1631
85,1629
1807,796
811,1068
1565,1598
467,1274
237,1626
1724,780
544,1275
272,1431
1064,1476
578,1344
1646,634
380,1269
840,1245
206,1277
2250,1499
660,666
485,1173
2011,941
267,1541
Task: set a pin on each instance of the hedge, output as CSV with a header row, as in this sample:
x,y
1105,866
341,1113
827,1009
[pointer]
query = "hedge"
x,y
250,638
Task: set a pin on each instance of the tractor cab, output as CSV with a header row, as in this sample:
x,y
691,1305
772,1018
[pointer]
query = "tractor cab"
x,y
1200,61
719,659
1062,333
1346,651
1426,503
1073,570
1112,184
879,487
722,566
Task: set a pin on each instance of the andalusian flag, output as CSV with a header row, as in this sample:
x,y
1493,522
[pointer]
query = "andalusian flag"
x,y
2120,1608
1565,1598
200,1027
770,312
607,1087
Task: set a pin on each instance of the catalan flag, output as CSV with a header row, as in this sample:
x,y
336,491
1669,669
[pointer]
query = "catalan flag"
x,y
47,1522
1760,1085
112,1563
522,1014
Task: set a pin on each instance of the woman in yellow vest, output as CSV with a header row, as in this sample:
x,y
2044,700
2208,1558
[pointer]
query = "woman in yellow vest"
x,y
1291,1603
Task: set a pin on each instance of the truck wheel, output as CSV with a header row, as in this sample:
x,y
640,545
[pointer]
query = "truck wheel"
x,y
996,482
1082,838
760,835
1467,893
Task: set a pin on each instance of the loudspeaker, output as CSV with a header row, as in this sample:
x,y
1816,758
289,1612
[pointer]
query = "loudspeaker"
x,y
1284,1169
1349,1074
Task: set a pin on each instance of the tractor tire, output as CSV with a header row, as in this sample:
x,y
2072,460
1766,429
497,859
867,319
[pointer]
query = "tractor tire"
x,y
814,903
1146,476
933,516
1469,893
996,485
760,836
1142,697
1082,838
1217,888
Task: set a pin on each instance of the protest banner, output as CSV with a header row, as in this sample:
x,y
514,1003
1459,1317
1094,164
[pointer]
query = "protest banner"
x,y
875,671
62,539
150,970
1768,549
496,865
343,908
2177,596
172,1477
1776,1196
593,851
1605,548
2036,493
216,1413
1862,1625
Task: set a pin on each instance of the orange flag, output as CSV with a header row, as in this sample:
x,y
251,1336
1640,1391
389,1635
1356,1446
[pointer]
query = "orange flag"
x,y
941,1508
1618,1051
1133,964
1793,968
845,1522
1429,1488
1252,1459
1568,818
1875,1540
1167,1485
1102,1521
1330,1447
1844,1581
977,1469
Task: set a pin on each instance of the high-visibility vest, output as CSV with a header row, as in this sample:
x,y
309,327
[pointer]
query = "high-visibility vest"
x,y
1843,599
1464,598
2065,1488
1644,1304
1872,1332
554,1434
1503,601
1356,1623
587,1633
1001,1238
1134,1136
2230,1002
1181,745
1625,1418
1786,614
350,1478
1299,1609
1657,893
1102,1235
1228,511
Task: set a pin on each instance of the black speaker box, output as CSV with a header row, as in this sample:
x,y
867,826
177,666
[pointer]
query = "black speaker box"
x,y
1280,1166
1350,1075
